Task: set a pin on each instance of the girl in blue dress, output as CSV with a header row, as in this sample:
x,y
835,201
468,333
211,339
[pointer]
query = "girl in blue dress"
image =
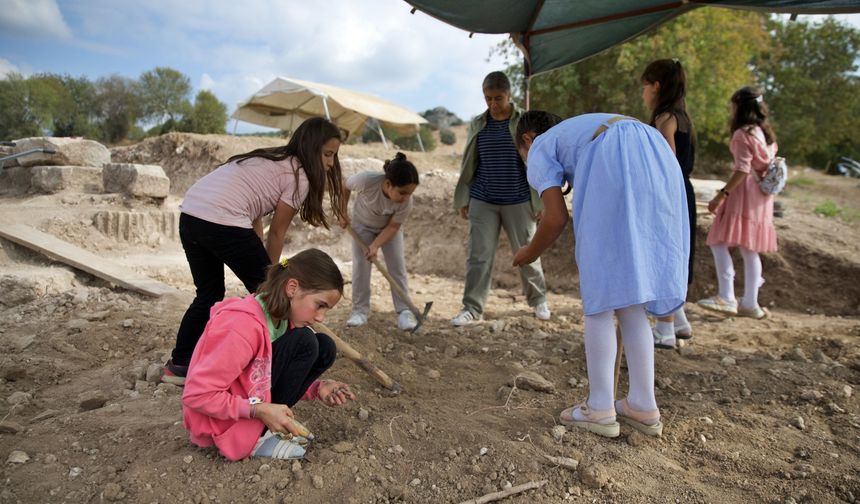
x,y
631,247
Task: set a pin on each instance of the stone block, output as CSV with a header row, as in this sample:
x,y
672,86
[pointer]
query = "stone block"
x,y
15,180
351,166
54,179
69,152
143,181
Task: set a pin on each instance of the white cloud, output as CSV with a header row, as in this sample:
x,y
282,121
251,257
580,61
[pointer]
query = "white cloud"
x,y
206,82
33,18
7,67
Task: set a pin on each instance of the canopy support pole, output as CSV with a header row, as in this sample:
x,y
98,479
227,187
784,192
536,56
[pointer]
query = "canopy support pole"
x,y
418,135
235,125
381,135
325,106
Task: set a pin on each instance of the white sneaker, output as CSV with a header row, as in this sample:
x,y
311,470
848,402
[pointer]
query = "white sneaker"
x,y
463,318
356,319
406,321
542,311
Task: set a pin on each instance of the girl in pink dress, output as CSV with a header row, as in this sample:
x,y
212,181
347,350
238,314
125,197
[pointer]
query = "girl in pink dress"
x,y
743,213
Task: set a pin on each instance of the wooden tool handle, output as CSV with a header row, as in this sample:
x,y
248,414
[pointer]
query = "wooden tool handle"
x,y
355,356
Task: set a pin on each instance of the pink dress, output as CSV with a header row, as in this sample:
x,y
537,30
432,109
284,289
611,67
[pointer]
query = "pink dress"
x,y
745,219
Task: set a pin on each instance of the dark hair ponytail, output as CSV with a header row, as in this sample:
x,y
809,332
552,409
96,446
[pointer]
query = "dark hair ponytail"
x,y
673,90
751,110
535,121
400,171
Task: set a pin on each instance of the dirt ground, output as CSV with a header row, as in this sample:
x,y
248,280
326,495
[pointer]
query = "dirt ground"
x,y
754,411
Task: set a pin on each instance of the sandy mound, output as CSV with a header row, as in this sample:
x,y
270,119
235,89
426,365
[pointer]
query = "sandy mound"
x,y
754,411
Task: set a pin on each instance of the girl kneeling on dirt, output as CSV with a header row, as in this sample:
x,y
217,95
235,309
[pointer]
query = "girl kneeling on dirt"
x,y
382,204
258,356
222,214
631,240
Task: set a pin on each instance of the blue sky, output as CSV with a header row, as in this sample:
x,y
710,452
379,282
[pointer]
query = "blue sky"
x,y
234,48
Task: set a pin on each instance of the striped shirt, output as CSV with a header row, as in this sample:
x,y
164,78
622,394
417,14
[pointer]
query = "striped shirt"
x,y
500,177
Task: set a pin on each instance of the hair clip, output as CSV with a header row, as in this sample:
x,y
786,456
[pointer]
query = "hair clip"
x,y
759,99
285,262
675,60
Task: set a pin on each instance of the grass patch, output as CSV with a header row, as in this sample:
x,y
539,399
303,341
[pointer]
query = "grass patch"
x,y
828,209
800,182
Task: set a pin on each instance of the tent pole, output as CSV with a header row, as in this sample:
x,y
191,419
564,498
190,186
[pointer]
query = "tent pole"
x,y
379,129
418,134
526,71
235,125
325,106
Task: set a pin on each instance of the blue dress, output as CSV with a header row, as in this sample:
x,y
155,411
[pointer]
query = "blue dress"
x,y
631,235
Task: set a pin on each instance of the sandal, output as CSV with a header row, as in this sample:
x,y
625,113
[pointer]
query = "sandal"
x,y
718,304
646,422
662,341
684,332
757,313
280,446
600,422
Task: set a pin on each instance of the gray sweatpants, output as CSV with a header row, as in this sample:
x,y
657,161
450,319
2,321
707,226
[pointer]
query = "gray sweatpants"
x,y
485,221
394,263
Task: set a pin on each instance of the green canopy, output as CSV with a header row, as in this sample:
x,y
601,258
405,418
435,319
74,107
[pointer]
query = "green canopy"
x,y
554,33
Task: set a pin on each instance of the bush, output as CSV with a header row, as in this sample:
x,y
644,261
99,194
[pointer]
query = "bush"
x,y
410,142
447,136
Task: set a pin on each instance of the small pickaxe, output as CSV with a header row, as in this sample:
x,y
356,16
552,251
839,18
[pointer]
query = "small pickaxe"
x,y
419,315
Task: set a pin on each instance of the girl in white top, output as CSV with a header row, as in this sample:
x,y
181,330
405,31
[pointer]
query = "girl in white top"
x,y
222,214
382,204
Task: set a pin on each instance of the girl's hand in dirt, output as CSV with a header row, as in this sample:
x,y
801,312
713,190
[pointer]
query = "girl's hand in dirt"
x,y
334,393
277,417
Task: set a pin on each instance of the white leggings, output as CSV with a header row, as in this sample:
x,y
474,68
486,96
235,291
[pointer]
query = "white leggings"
x,y
600,351
726,274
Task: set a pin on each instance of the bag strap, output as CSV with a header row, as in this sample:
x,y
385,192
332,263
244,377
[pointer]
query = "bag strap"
x,y
612,120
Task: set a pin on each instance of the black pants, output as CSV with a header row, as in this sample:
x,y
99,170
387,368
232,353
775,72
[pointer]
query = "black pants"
x,y
299,357
208,247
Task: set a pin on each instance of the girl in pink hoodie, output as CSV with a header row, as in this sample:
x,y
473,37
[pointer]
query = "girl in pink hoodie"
x,y
258,356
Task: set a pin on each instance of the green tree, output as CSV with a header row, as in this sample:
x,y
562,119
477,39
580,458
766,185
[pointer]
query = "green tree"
x,y
26,106
812,89
163,94
116,108
715,46
208,115
74,112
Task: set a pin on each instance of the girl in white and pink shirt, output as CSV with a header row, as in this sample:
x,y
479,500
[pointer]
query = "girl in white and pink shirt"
x,y
222,220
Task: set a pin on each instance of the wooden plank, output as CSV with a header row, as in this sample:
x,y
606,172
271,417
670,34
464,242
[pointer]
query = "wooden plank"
x,y
83,260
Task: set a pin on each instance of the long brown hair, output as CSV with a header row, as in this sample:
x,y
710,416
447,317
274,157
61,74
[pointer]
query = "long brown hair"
x,y
313,269
673,91
306,145
751,110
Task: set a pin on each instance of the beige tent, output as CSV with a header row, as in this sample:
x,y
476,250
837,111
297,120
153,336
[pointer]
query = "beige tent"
x,y
284,103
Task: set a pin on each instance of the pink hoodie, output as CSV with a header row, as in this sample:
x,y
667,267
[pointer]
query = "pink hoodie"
x,y
231,363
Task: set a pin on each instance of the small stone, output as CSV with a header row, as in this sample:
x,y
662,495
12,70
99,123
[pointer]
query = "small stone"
x,y
50,458
558,432
811,395
398,449
483,451
497,326
663,382
128,323
593,476
696,397
74,472
706,420
19,397
529,380
746,392
9,427
797,354
343,447
187,459
363,414
847,391
317,481
506,485
798,422
434,374
572,382
113,492
735,455
153,373
635,438
686,351
728,361
17,457
415,482
451,351
91,399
